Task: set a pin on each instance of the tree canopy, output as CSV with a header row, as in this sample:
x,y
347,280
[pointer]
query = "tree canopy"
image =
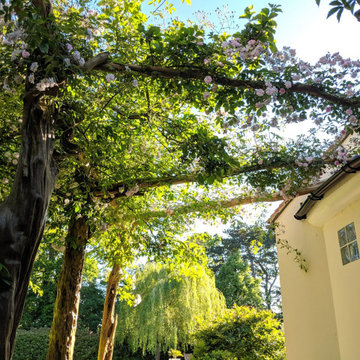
x,y
114,109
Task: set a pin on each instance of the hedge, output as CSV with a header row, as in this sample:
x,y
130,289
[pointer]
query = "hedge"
x,y
32,345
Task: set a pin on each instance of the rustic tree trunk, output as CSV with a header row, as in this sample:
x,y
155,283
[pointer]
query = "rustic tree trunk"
x,y
63,328
109,320
22,216
158,353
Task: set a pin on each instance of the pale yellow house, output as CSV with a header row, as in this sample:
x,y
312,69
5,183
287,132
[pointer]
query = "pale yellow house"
x,y
322,306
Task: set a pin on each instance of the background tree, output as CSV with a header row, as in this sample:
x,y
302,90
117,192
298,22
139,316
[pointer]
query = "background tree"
x,y
169,305
91,306
238,286
256,246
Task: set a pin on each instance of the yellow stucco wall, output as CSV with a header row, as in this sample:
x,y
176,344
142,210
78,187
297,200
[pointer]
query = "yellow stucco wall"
x,y
345,284
309,319
322,307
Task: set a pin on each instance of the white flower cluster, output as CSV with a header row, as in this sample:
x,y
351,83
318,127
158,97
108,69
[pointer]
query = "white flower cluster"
x,y
13,37
33,68
77,57
252,50
304,162
340,156
110,77
13,158
133,190
46,83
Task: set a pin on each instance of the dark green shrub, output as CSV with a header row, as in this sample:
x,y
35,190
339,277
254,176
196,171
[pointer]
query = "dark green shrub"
x,y
241,333
32,345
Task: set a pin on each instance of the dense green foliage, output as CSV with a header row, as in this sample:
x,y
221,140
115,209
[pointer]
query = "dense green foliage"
x,y
170,305
235,281
32,344
242,333
91,306
39,305
256,245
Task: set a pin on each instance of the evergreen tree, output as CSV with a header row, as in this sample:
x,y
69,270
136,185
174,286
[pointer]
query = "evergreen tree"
x,y
235,281
256,246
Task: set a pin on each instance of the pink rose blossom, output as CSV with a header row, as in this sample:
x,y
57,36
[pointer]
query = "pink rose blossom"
x,y
25,54
208,79
206,61
352,119
234,43
349,112
282,91
206,95
328,109
110,77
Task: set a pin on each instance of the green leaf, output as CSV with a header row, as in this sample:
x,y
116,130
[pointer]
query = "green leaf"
x,y
333,11
44,47
338,16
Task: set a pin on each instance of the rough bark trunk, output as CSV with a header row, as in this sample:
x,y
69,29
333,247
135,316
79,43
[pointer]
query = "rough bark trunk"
x,y
63,328
22,216
109,320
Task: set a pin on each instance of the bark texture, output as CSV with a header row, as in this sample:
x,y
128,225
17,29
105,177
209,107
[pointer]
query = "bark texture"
x,y
22,216
63,328
109,320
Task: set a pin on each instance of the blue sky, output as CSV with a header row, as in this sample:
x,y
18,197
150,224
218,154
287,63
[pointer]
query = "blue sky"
x,y
302,25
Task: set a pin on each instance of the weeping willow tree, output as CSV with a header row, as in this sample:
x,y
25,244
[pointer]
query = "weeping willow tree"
x,y
170,303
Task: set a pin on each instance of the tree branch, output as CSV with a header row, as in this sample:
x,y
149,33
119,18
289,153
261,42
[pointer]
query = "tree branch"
x,y
119,189
199,74
213,204
96,61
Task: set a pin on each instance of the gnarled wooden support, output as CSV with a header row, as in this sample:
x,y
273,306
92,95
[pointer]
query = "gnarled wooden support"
x,y
109,320
22,216
63,328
